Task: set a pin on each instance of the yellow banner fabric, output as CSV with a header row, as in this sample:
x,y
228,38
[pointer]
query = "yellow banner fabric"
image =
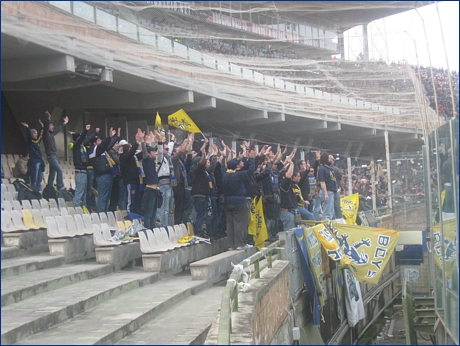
x,y
181,120
257,227
349,205
159,126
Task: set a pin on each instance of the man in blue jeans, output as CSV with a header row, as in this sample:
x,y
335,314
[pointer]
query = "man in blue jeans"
x,y
49,131
80,161
101,163
328,185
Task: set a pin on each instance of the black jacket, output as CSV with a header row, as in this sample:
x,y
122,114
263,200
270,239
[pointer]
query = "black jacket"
x,y
80,155
128,166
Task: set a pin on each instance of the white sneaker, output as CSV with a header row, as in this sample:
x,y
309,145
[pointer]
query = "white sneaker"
x,y
247,246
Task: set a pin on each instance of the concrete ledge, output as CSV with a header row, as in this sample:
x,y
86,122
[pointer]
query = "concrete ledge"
x,y
17,266
73,249
120,255
31,241
177,260
218,267
9,252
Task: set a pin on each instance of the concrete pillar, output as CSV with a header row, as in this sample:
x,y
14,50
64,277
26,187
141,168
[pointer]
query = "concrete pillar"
x,y
365,43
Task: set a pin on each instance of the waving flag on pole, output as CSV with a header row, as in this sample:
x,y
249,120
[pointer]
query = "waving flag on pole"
x,y
257,227
182,121
159,126
350,205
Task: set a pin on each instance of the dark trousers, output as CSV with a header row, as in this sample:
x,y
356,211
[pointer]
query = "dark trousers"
x,y
201,207
115,196
237,224
149,206
179,203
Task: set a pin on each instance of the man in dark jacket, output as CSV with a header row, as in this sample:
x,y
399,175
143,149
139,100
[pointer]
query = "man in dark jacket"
x,y
49,131
152,191
200,189
237,200
131,173
80,161
35,165
102,166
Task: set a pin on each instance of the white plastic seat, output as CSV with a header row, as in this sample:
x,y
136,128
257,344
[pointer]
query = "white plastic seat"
x,y
62,226
53,203
6,205
16,216
183,226
153,242
81,224
160,240
45,213
64,211
88,223
177,235
52,228
61,203
26,204
105,229
44,204
70,203
72,226
17,205
99,240
35,204
55,212
111,220
145,244
38,218
103,218
95,218
7,222
164,233
79,210
118,215
29,220
71,211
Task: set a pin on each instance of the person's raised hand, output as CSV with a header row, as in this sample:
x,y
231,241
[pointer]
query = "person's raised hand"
x,y
48,115
40,122
71,132
65,120
113,133
25,124
119,132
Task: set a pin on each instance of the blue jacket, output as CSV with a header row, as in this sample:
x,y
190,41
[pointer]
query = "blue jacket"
x,y
234,184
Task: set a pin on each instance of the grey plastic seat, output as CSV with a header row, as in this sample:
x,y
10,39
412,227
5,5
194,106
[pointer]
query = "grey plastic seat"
x,y
17,205
16,216
61,203
72,226
62,226
35,204
88,223
145,244
160,240
26,204
81,224
112,221
71,210
95,219
103,218
7,222
55,212
153,242
44,204
98,238
118,215
38,218
6,205
53,204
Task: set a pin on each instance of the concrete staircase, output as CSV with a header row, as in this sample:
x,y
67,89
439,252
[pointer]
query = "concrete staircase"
x,y
46,301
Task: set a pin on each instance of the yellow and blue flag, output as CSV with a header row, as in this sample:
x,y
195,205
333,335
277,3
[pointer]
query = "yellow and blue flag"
x,y
364,250
182,121
257,227
450,248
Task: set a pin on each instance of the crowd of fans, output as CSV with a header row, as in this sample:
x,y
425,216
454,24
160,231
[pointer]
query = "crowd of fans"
x,y
443,95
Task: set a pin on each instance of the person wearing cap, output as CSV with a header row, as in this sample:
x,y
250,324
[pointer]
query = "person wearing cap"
x,y
150,198
237,200
20,167
35,165
49,132
80,161
99,160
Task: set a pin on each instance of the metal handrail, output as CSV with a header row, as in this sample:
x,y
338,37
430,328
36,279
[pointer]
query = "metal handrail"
x,y
230,296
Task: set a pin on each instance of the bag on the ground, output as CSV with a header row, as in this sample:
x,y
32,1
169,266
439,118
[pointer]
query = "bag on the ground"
x,y
65,194
25,191
49,192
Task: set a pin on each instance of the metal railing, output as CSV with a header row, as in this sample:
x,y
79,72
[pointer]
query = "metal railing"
x,y
230,296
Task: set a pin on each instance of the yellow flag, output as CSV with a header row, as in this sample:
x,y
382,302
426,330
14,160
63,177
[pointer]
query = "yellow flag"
x,y
330,244
181,120
450,248
367,248
159,126
257,227
349,205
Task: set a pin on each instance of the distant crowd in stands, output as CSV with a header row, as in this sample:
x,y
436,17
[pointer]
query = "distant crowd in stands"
x,y
441,77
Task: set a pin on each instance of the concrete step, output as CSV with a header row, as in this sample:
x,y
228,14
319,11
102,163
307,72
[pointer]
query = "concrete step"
x,y
20,287
9,252
20,265
117,318
186,323
38,313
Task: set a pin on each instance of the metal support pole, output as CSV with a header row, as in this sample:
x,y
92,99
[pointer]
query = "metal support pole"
x,y
365,43
350,181
374,195
431,68
390,195
447,64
